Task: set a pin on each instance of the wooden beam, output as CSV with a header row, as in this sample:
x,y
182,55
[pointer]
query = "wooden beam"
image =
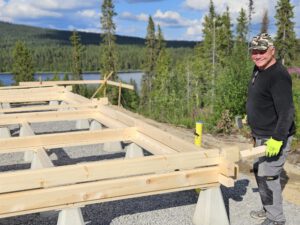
x,y
35,117
82,204
150,131
108,169
108,189
74,98
22,87
103,84
152,146
32,98
19,144
37,90
72,82
48,107
254,152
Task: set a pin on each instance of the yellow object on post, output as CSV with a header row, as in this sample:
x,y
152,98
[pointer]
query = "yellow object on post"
x,y
198,133
198,141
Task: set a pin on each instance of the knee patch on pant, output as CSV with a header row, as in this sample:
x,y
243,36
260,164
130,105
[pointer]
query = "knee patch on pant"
x,y
265,193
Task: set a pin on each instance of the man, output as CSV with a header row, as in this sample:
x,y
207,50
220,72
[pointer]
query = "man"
x,y
270,113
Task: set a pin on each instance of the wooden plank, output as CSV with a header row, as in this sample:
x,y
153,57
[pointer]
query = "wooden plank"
x,y
32,98
74,98
152,146
108,122
125,187
37,90
81,204
254,152
43,178
226,181
48,107
150,131
19,144
72,82
228,168
36,117
21,87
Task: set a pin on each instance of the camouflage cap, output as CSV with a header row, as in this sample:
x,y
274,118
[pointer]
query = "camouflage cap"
x,y
261,42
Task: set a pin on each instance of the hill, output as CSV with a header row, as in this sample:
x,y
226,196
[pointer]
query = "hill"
x,y
12,32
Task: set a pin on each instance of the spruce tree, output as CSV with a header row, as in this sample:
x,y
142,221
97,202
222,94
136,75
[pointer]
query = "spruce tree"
x,y
265,23
225,36
285,40
149,68
207,51
23,69
108,46
162,84
76,68
242,28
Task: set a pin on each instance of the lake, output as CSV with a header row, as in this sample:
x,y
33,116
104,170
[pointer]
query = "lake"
x,y
7,79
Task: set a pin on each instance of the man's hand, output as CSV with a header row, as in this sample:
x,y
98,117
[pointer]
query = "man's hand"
x,y
273,147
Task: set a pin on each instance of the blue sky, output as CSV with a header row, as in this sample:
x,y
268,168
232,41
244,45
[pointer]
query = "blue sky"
x,y
179,19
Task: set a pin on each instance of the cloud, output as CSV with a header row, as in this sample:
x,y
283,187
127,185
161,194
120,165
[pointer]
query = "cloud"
x,y
31,9
141,1
235,7
62,4
172,19
88,14
16,9
129,16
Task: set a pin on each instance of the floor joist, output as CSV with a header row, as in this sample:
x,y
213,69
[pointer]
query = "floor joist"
x,y
19,144
175,164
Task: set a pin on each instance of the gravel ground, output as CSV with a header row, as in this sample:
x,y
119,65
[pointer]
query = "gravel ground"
x,y
167,209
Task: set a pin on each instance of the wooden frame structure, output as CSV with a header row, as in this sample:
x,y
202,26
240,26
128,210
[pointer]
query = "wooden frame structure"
x,y
173,165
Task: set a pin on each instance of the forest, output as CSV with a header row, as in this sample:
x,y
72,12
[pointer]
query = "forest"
x,y
51,49
183,82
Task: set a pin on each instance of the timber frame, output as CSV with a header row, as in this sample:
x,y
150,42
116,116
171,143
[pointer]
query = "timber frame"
x,y
173,165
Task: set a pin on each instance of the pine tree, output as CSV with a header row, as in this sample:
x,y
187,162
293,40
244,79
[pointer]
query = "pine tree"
x,y
285,40
250,12
161,44
225,37
242,27
23,69
76,68
265,23
108,46
208,50
149,67
162,84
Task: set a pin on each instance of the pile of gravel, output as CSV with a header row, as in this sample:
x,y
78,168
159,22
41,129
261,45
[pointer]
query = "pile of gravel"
x,y
167,209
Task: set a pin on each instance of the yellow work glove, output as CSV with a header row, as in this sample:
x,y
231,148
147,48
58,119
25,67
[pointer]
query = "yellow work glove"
x,y
273,147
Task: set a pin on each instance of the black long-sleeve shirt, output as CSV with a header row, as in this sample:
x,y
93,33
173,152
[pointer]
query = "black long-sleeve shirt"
x,y
270,107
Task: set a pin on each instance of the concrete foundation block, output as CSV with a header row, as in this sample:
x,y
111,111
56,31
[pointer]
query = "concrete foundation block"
x,y
82,124
133,151
4,132
210,208
70,216
53,102
95,125
112,146
27,131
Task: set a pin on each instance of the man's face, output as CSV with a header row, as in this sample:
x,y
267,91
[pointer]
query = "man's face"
x,y
263,58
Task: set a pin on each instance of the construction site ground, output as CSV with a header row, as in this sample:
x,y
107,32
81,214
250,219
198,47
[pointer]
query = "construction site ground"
x,y
290,177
